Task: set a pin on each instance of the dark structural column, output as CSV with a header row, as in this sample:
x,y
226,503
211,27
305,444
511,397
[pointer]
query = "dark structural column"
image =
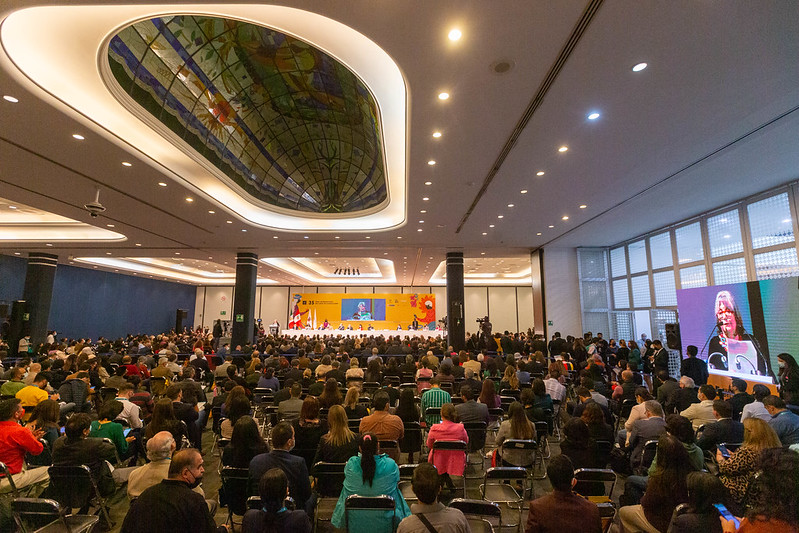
x,y
244,298
38,294
456,327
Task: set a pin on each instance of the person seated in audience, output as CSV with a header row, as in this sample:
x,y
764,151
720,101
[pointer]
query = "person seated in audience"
x,y
555,382
426,486
469,410
445,374
626,389
775,509
245,443
354,371
308,428
521,372
336,446
595,420
666,385
172,505
408,412
293,466
724,430
426,373
577,445
756,409
509,379
118,379
636,413
737,472
290,409
354,409
740,398
784,422
665,490
683,397
77,391
330,395
562,511
585,397
77,448
131,413
435,396
106,428
15,442
236,407
489,396
273,515
704,490
448,462
185,413
46,417
701,413
337,373
370,473
516,427
644,430
164,419
15,383
382,423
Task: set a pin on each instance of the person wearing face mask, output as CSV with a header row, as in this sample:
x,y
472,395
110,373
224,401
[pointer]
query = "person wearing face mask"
x,y
172,505
789,378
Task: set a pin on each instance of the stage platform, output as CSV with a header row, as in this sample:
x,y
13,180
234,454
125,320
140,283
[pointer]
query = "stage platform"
x,y
365,333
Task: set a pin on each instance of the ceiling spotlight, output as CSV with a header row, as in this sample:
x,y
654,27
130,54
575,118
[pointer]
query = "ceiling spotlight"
x,y
431,162
274,236
539,173
11,99
399,236
639,67
428,183
593,116
583,206
500,216
484,233
510,205
244,230
108,253
211,212
368,237
138,244
565,217
16,253
550,226
421,222
229,221
454,34
162,184
523,191
443,96
482,253
420,229
177,253
337,237
126,164
423,211
436,134
491,225
305,237
12,207
109,226
425,198
189,199
563,148
78,137
539,233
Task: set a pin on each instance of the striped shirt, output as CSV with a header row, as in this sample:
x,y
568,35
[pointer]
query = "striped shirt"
x,y
434,397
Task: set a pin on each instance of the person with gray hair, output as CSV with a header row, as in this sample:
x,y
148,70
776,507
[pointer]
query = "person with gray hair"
x,y
646,429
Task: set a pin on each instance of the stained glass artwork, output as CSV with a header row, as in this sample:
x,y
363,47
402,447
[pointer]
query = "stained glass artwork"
x,y
286,122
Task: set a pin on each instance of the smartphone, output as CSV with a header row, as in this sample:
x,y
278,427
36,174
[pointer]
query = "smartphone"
x,y
63,429
723,511
126,431
724,451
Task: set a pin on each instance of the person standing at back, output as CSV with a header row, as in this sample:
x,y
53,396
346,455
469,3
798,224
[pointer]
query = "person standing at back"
x,y
693,367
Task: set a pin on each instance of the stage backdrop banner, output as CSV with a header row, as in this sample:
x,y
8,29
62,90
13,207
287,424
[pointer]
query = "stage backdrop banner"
x,y
381,311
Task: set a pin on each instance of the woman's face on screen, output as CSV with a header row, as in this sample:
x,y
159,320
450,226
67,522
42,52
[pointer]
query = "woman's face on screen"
x,y
726,316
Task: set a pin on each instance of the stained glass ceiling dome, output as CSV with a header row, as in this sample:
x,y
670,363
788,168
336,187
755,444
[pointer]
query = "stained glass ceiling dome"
x,y
285,122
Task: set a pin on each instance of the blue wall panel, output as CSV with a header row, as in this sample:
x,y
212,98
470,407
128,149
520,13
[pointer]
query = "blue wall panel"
x,y
93,303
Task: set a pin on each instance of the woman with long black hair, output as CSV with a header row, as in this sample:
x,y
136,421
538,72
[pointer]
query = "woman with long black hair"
x,y
789,378
370,473
273,516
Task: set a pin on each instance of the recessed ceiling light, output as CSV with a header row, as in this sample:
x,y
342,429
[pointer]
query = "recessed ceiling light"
x,y
593,116
565,217
454,34
109,226
421,222
138,244
399,236
425,198
510,205
305,237
16,253
78,136
420,229
539,233
482,253
108,253
316,253
436,134
12,207
244,230
423,211
550,226
189,199
211,211
428,183
126,164
431,162
48,244
500,216
523,191
484,233
539,173
443,96
583,206
491,225
177,253
639,67
229,221
563,148
274,236
162,184
11,99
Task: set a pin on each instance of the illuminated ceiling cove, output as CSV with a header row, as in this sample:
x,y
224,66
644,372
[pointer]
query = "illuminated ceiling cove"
x,y
375,271
489,271
22,223
287,123
279,117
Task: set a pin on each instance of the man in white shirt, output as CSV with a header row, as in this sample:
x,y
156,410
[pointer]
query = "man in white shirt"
x,y
554,388
702,413
131,412
756,409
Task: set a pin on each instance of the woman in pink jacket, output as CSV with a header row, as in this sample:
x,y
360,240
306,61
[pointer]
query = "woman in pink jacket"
x,y
448,462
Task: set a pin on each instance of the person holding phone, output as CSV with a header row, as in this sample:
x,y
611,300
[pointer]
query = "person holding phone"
x,y
705,491
737,471
106,427
775,510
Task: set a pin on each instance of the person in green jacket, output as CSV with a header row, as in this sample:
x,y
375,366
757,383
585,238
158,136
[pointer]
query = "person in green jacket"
x,y
106,427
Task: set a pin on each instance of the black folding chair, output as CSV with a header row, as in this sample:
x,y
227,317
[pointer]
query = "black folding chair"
x,y
607,513
34,515
477,432
328,482
496,488
450,446
595,482
411,441
404,485
647,456
236,489
541,431
525,448
376,508
624,411
482,516
75,488
603,449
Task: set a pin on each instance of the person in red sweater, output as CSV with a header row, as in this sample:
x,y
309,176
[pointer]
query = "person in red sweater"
x,y
15,442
